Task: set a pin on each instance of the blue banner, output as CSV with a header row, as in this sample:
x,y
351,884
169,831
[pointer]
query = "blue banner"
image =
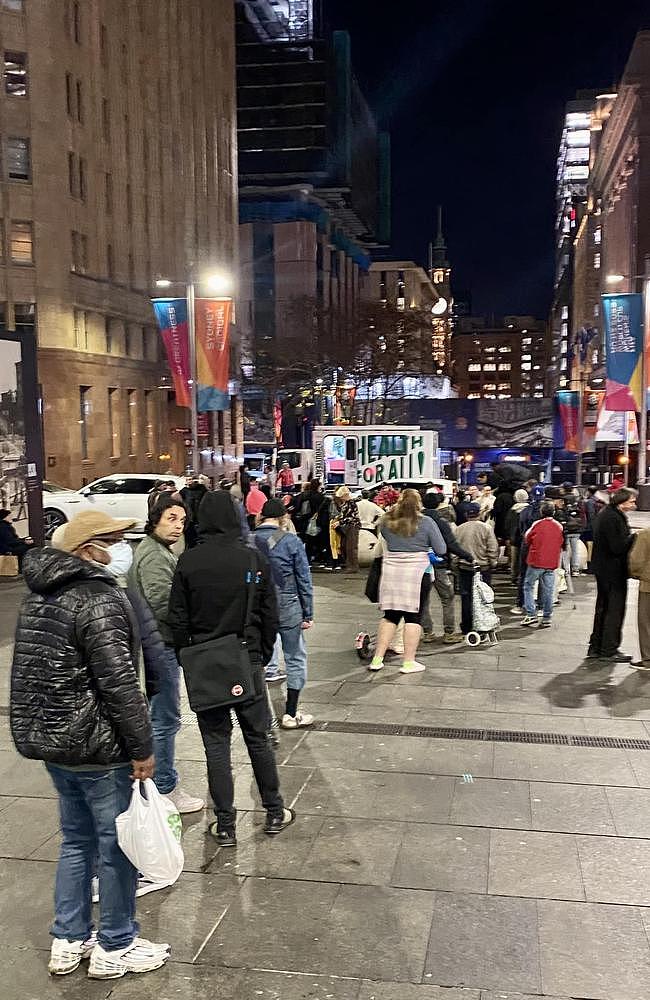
x,y
623,317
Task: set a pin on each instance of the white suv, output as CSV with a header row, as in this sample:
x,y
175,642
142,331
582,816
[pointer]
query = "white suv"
x,y
124,495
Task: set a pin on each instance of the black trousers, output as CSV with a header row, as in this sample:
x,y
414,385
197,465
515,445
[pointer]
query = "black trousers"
x,y
216,730
608,618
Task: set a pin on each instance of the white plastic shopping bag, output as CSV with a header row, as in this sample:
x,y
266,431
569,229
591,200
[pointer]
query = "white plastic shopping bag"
x,y
149,833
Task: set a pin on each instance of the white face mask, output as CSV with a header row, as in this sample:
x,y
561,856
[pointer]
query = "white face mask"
x,y
121,555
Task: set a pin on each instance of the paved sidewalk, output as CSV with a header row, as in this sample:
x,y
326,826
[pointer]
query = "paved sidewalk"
x,y
420,868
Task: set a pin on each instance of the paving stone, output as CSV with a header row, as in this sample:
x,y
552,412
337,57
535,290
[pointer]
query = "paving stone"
x,y
357,851
570,808
31,930
7,800
484,942
536,865
206,983
593,950
389,694
17,774
518,996
640,763
25,977
25,825
468,699
630,808
554,724
449,858
615,870
404,991
437,674
259,855
522,702
564,764
498,680
491,802
506,722
345,930
420,798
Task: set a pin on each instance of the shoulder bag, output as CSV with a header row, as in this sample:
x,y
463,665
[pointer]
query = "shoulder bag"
x,y
219,672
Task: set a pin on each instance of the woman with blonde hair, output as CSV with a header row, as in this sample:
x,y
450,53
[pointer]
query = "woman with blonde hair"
x,y
348,524
408,537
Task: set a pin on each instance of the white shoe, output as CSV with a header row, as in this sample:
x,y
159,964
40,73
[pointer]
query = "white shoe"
x,y
140,956
375,666
529,620
184,802
427,637
145,886
412,668
297,721
66,956
516,610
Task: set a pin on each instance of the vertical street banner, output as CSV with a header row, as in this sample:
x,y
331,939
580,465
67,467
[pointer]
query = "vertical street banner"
x,y
568,404
171,315
592,404
623,315
213,353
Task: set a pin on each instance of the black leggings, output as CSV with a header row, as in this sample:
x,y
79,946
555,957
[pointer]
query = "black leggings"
x,y
412,617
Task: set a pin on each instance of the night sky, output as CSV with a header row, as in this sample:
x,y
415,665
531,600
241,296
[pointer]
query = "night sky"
x,y
472,92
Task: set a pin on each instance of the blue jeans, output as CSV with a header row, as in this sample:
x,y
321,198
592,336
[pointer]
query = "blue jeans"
x,y
295,655
166,721
89,802
546,578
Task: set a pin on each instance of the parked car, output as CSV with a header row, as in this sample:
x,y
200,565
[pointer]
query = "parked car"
x,y
59,505
125,494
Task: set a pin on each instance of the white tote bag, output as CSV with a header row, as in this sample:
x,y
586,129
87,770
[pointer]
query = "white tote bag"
x,y
149,833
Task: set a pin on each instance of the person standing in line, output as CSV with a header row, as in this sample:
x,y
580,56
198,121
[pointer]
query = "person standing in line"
x,y
591,508
370,512
76,705
575,523
544,544
244,481
255,500
405,583
639,567
487,499
443,579
612,543
479,540
10,543
151,576
295,595
349,524
513,532
209,599
286,480
529,514
191,495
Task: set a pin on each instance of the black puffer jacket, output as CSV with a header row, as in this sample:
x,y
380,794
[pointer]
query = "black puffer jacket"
x,y
75,698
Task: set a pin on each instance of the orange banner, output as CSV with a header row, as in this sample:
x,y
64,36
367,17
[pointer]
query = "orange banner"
x,y
212,318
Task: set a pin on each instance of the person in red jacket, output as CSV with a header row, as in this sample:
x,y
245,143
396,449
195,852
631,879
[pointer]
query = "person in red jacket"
x,y
545,541
286,481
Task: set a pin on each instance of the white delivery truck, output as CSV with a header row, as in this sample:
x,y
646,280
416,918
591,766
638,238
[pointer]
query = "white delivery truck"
x,y
364,456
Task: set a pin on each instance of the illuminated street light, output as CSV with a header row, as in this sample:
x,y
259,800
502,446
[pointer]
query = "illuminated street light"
x,y
163,283
218,284
614,279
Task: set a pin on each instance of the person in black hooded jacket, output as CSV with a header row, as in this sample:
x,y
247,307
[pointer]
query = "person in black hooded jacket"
x,y
208,600
76,705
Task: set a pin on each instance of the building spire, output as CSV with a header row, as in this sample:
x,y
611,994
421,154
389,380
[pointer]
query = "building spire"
x,y
440,245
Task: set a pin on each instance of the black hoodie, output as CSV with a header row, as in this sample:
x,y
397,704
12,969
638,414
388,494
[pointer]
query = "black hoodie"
x,y
210,588
75,698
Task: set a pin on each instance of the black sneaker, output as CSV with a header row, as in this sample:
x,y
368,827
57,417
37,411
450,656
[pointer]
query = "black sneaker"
x,y
618,657
276,824
593,654
224,838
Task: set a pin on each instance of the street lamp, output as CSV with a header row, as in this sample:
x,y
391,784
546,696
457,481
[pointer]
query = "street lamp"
x,y
616,279
218,283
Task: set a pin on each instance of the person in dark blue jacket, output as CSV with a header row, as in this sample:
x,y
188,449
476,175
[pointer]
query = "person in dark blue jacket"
x,y
294,589
10,543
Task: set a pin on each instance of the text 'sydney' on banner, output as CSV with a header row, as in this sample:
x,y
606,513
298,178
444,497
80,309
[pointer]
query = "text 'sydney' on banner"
x,y
213,353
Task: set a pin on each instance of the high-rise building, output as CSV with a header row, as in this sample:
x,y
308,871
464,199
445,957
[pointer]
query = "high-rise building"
x,y
440,272
119,142
500,361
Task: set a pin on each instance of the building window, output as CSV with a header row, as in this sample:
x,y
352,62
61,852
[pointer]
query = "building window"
x,y
526,357
18,159
565,312
596,261
108,332
80,326
505,367
526,367
68,94
473,395
17,6
80,102
233,420
79,244
85,407
108,188
22,243
72,174
131,271
489,350
113,421
82,178
438,277
473,368
127,341
103,45
16,74
110,262
106,119
489,367
131,409
490,386
504,387
598,235
505,350
150,416
129,205
76,22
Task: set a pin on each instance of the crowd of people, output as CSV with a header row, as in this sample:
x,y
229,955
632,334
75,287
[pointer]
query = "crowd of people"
x,y
104,632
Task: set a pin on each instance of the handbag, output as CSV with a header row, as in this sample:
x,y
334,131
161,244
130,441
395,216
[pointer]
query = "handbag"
x,y
312,527
8,565
374,577
219,672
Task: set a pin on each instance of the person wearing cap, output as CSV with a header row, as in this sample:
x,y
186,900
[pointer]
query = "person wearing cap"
x,y
151,576
10,543
209,599
76,705
295,594
513,532
348,526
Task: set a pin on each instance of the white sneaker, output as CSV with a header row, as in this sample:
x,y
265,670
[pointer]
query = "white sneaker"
x,y
412,668
427,637
184,802
516,610
145,886
140,956
66,956
375,666
529,620
297,721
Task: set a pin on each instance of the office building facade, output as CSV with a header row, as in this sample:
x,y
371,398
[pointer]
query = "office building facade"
x,y
499,361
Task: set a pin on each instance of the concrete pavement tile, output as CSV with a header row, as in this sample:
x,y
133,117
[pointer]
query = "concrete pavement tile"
x,y
415,798
437,675
26,825
392,714
536,865
615,870
518,996
570,808
18,775
247,796
468,699
497,680
198,847
484,942
407,991
446,717
630,808
491,802
184,914
25,977
563,764
597,767
499,721
259,855
359,851
640,763
449,858
388,694
593,950
7,800
25,916
526,702
551,724
207,983
621,728
385,753
49,851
